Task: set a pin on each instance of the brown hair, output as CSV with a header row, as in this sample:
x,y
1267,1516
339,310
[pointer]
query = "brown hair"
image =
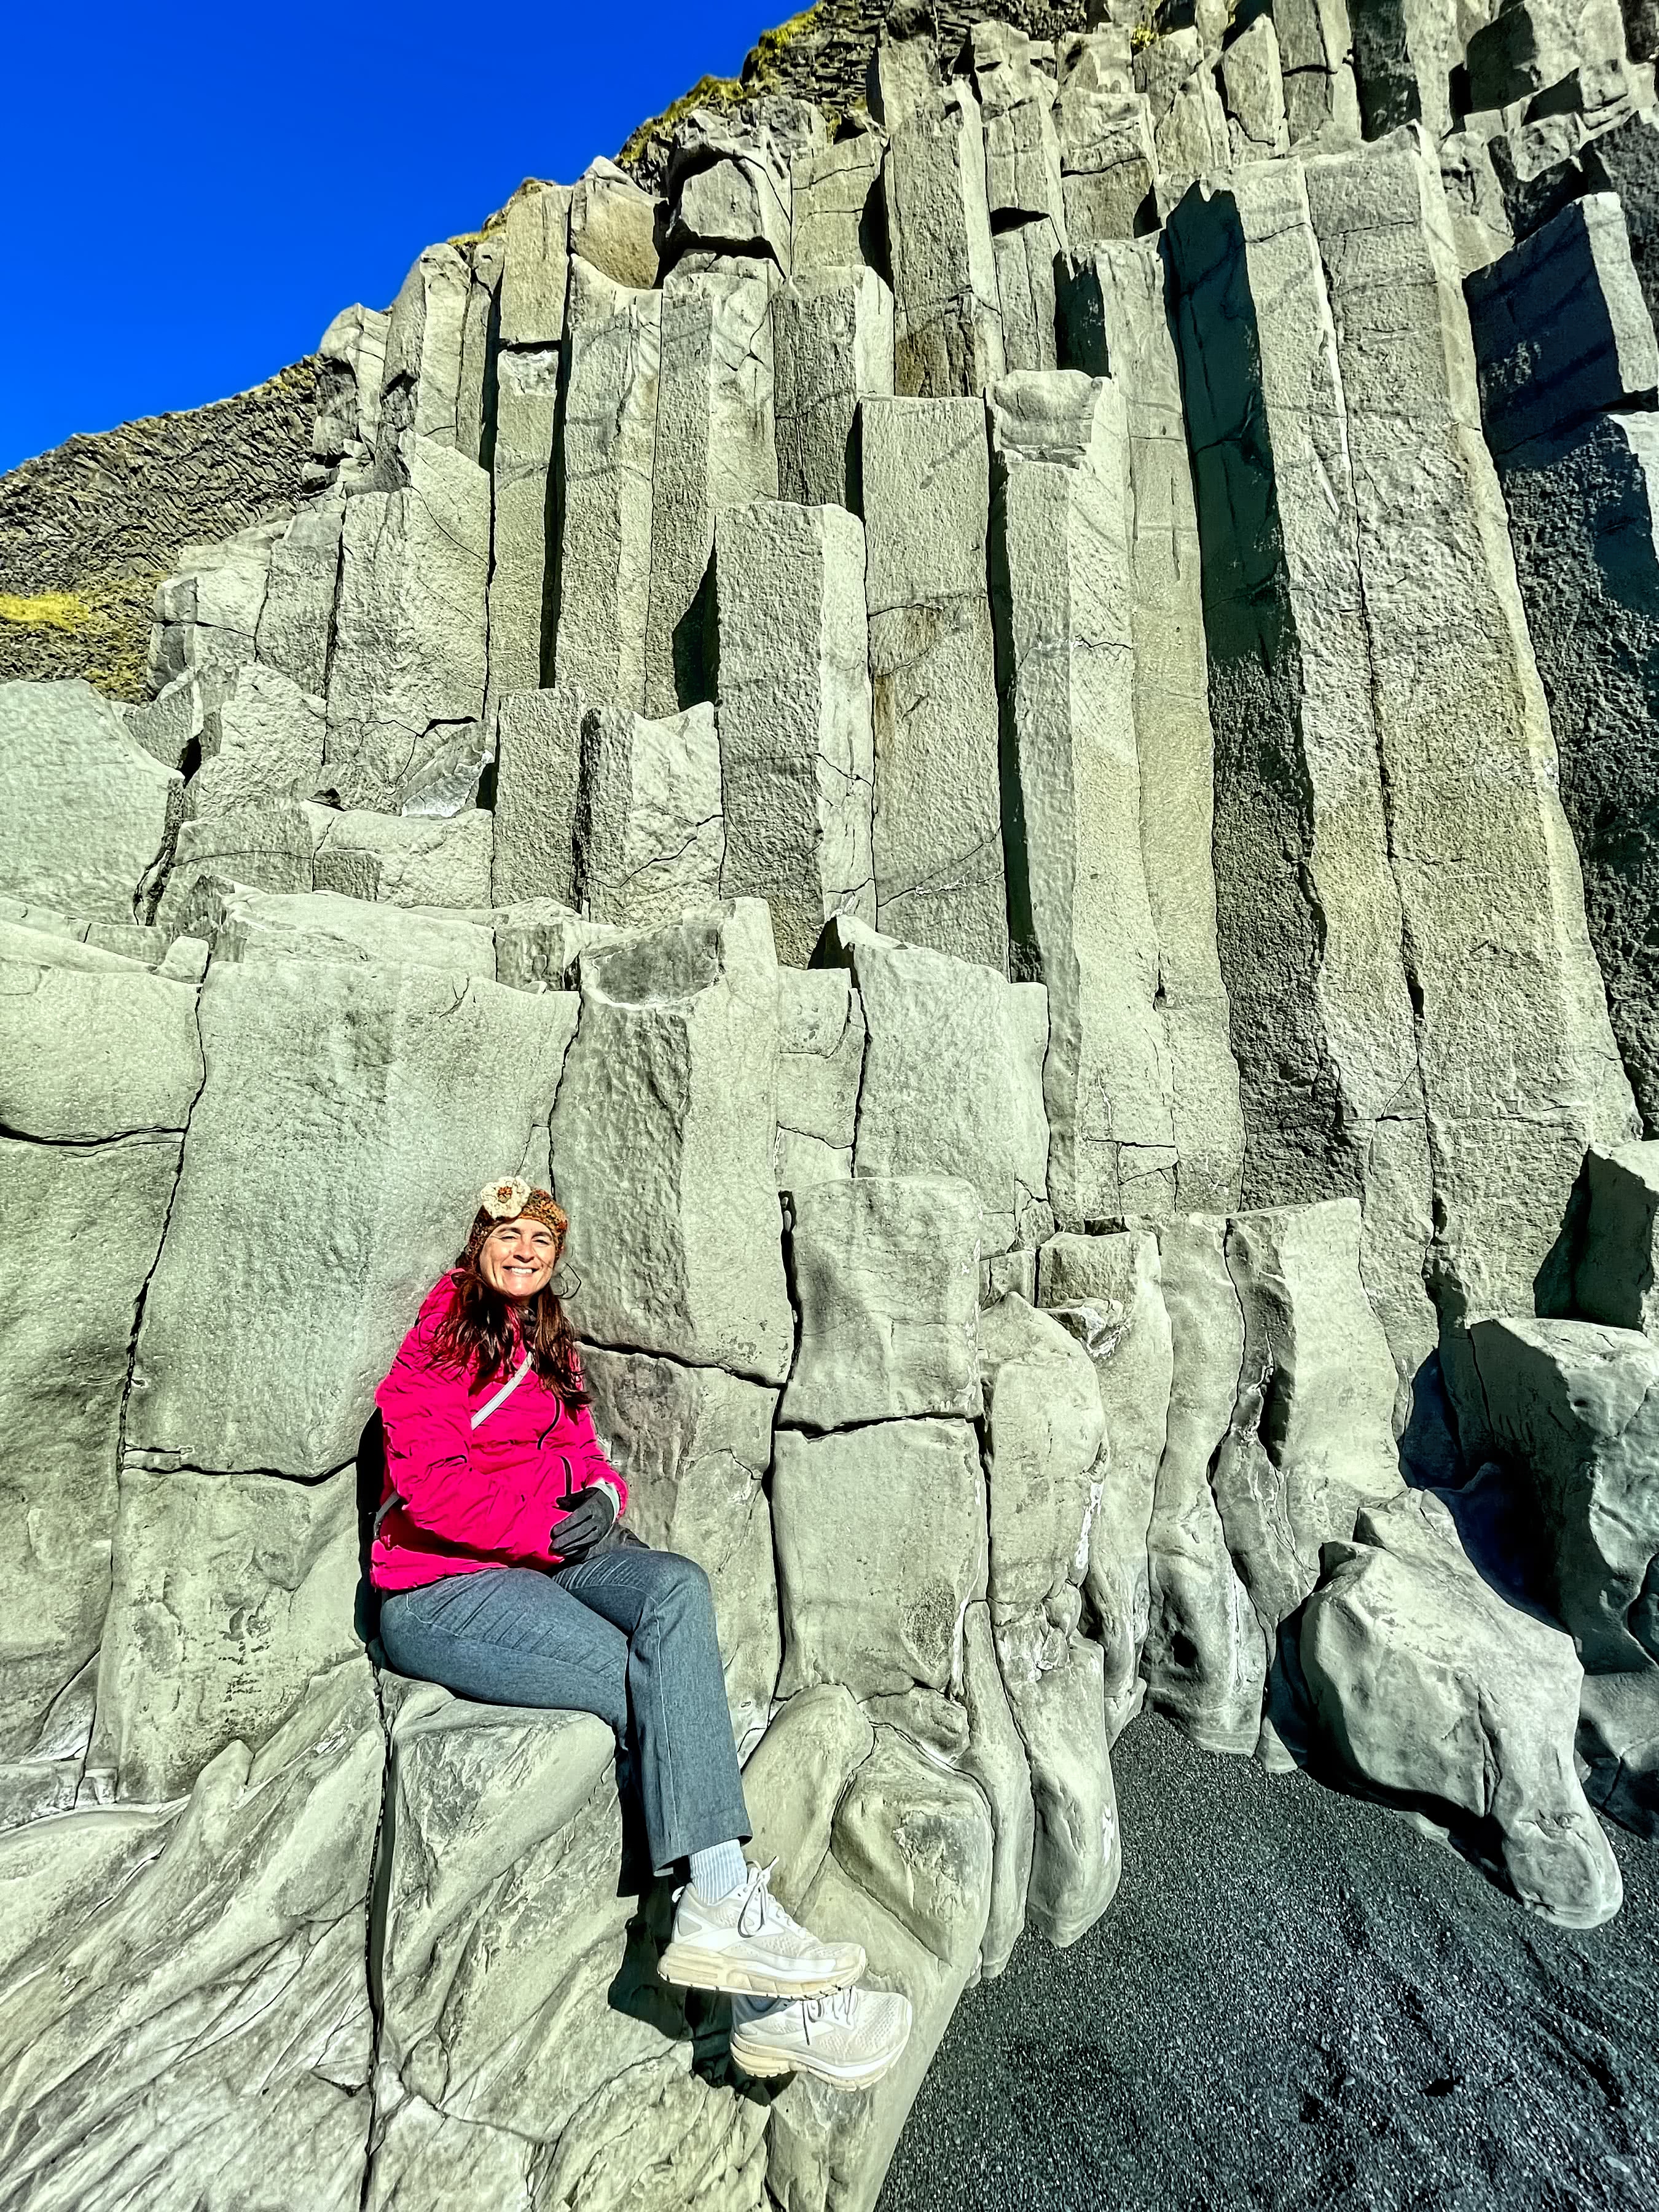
x,y
480,1336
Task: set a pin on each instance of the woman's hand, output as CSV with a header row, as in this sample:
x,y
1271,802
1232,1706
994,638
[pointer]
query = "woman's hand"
x,y
592,1515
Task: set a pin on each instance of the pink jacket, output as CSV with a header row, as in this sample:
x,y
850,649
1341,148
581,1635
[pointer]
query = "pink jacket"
x,y
470,1497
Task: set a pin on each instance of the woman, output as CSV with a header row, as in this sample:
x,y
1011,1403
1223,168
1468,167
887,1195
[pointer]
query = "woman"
x,y
506,1576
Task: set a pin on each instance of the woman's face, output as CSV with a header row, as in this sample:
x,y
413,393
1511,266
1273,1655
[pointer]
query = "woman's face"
x,y
519,1257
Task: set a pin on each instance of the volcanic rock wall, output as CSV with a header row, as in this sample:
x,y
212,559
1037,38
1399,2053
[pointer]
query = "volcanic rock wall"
x,y
942,725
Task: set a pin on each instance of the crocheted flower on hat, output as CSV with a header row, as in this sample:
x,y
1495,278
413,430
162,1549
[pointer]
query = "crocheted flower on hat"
x,y
505,1199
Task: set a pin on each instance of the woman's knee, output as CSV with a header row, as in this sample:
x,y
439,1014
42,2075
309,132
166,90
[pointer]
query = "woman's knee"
x,y
681,1583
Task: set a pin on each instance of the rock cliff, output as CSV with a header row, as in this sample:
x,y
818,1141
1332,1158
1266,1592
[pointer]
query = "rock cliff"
x,y
1009,731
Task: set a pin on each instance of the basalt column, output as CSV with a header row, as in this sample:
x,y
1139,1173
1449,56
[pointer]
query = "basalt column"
x,y
1307,913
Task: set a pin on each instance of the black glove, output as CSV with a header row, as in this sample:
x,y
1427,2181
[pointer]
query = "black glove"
x,y
592,1513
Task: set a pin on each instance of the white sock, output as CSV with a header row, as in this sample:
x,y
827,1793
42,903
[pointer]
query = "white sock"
x,y
717,1871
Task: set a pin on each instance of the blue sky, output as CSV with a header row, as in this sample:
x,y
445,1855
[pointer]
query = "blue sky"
x,y
192,192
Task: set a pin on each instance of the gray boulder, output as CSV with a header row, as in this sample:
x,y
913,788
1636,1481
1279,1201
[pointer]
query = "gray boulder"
x,y
1428,1689
1105,133
675,1062
1576,1407
881,1542
795,1779
885,1273
1618,1743
613,224
425,343
259,926
796,761
87,815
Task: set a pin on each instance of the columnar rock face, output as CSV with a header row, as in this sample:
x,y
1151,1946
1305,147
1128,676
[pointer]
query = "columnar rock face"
x,y
675,1062
1115,318
947,314
604,486
1564,342
940,731
1464,737
796,764
1081,922
832,336
714,449
648,833
937,829
407,678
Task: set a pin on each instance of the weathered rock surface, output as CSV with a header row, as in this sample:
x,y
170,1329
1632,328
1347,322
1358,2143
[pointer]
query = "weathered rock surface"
x,y
1107,1291
675,1063
1080,922
168,1961
1205,1654
1614,1265
1618,1741
1043,1431
1433,1691
881,1542
936,830
1575,1406
346,1118
408,671
88,815
947,317
952,1076
503,2051
885,1273
230,1593
537,771
832,335
648,827
67,1342
796,749
92,1045
820,1066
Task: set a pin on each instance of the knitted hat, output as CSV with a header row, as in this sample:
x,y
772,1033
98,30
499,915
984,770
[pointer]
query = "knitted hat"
x,y
511,1198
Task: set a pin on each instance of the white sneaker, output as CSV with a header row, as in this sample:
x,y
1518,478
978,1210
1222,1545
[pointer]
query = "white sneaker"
x,y
849,2039
747,1942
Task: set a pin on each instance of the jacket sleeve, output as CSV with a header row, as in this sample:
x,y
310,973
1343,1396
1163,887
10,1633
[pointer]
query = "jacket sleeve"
x,y
579,1443
428,1453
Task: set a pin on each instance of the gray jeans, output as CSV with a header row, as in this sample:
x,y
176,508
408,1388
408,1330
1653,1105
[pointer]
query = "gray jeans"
x,y
628,1635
